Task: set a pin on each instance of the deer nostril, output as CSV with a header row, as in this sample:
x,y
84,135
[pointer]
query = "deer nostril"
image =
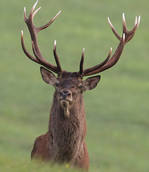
x,y
68,94
65,93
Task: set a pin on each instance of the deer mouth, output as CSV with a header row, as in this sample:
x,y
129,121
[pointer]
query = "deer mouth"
x,y
65,104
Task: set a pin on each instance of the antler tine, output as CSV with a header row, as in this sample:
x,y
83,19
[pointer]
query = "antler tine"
x,y
34,6
114,59
43,61
139,19
25,17
131,33
124,23
82,62
35,12
50,22
32,13
25,51
56,58
126,36
113,29
91,71
33,33
136,21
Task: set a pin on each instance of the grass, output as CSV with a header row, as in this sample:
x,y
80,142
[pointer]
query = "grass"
x,y
117,110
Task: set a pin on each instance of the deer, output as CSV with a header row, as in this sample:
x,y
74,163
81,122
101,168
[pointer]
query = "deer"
x,y
64,142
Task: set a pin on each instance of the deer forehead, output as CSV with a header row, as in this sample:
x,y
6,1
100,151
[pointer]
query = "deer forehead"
x,y
69,82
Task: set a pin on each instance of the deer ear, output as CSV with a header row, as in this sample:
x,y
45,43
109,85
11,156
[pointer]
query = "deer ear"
x,y
91,83
48,77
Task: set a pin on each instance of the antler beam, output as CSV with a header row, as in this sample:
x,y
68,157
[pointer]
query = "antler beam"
x,y
109,62
33,33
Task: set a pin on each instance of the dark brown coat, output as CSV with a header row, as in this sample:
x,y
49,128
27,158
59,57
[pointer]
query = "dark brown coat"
x,y
65,140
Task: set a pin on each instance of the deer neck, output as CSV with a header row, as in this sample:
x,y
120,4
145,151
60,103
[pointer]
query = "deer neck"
x,y
67,133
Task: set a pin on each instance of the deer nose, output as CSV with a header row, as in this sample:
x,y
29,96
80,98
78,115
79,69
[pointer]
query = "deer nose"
x,y
65,93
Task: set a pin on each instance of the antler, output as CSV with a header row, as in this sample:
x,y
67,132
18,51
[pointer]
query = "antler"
x,y
109,62
33,33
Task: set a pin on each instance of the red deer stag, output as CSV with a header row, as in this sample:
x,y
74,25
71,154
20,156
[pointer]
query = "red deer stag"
x,y
65,140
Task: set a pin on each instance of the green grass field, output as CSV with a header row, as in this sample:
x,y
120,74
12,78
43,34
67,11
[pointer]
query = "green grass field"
x,y
117,110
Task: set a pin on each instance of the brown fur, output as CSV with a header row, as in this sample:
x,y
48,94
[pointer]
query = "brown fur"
x,y
65,140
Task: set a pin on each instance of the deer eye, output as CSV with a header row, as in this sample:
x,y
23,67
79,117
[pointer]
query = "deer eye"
x,y
57,84
73,87
80,86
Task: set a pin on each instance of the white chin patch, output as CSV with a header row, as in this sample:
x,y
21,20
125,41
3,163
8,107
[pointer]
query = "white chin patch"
x,y
65,106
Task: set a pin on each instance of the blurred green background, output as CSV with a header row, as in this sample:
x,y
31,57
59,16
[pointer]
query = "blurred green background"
x,y
117,110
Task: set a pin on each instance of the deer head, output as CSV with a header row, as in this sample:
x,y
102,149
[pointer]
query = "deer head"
x,y
70,85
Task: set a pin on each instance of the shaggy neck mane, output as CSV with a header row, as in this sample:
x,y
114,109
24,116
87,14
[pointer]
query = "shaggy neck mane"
x,y
67,134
